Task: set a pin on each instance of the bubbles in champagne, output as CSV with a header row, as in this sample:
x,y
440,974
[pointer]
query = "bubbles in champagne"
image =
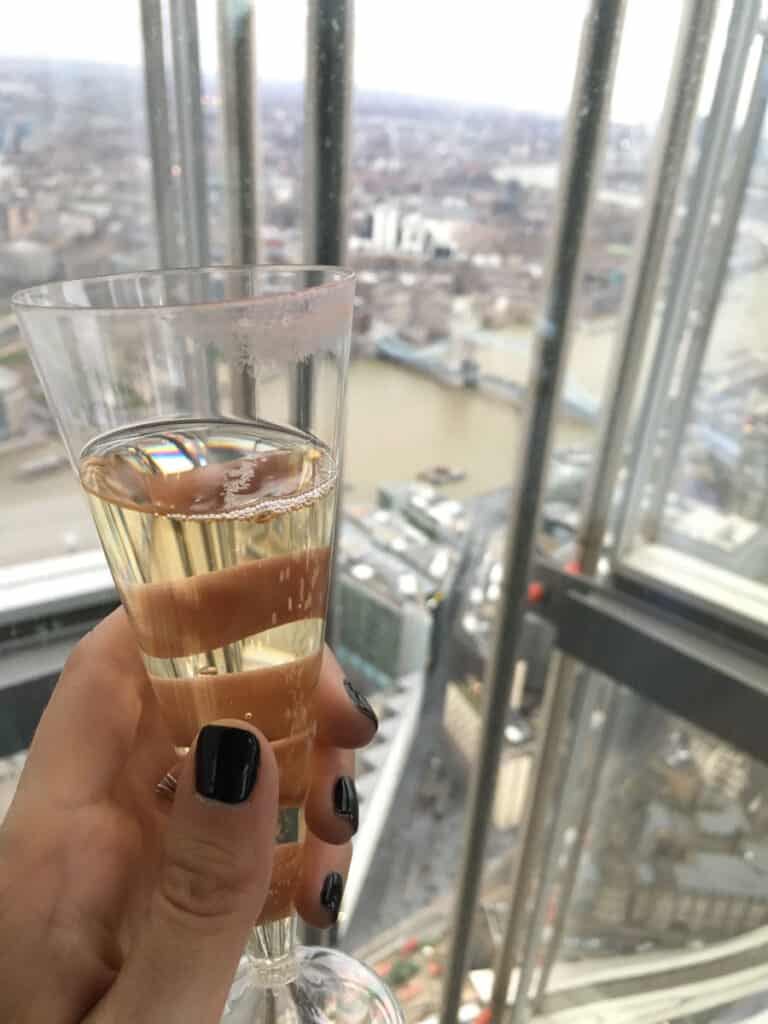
x,y
218,537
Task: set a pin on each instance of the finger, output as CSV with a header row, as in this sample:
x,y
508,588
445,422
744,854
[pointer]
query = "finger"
x,y
294,765
91,722
331,809
212,882
345,717
207,611
321,886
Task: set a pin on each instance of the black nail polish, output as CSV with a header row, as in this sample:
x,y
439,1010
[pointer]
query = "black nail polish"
x,y
361,702
345,800
226,763
331,893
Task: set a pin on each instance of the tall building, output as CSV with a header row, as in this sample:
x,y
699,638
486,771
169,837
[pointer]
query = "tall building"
x,y
376,637
386,227
389,575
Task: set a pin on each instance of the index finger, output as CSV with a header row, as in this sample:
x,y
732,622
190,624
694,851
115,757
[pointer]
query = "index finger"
x,y
345,717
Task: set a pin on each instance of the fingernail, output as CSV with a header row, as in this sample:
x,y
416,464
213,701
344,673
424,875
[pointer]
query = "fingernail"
x,y
361,702
226,763
331,893
345,800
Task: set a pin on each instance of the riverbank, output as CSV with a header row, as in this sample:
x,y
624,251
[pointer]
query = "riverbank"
x,y
398,423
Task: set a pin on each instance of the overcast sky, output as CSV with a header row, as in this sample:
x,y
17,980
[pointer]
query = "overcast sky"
x,y
515,53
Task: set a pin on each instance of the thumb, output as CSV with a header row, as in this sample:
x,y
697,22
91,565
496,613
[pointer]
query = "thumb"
x,y
212,883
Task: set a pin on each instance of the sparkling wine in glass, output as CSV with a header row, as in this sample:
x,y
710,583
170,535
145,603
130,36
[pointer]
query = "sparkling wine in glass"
x,y
202,411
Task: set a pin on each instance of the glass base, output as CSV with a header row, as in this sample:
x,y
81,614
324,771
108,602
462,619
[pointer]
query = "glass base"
x,y
323,987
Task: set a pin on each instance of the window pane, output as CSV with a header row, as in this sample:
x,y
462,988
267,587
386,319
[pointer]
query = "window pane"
x,y
451,226
451,218
693,516
75,200
669,901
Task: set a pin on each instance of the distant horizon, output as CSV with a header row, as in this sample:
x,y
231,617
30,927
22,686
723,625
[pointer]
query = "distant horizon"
x,y
489,55
298,85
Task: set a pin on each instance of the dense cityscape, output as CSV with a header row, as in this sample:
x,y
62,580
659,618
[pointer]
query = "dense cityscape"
x,y
450,214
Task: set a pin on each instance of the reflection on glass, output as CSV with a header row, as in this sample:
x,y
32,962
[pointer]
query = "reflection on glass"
x,y
75,199
669,900
693,516
671,873
706,530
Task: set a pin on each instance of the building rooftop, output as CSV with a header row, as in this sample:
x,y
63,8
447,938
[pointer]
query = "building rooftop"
x,y
381,570
441,517
721,873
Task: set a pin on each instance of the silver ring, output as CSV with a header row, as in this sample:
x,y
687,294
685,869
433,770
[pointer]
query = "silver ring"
x,y
167,785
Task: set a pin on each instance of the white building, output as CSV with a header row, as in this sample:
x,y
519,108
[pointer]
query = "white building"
x,y
386,227
436,229
424,235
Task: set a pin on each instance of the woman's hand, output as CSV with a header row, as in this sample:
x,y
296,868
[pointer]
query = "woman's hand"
x,y
117,905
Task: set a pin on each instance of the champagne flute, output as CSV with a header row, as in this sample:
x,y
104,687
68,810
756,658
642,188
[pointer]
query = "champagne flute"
x,y
202,410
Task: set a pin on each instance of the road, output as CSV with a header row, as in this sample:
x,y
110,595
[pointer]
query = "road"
x,y
418,857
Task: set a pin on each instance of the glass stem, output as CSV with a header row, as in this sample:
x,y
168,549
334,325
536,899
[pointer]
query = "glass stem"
x,y
271,952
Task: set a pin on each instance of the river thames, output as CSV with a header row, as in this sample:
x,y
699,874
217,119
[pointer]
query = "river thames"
x,y
399,422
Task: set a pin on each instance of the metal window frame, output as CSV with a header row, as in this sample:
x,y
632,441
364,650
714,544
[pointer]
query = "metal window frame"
x,y
185,44
180,192
716,270
586,124
714,276
684,275
240,113
327,117
652,243
691,668
327,154
242,155
713,681
327,126
540,830
158,128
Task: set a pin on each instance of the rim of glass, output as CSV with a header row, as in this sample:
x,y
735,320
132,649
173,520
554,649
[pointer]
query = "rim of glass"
x,y
24,299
